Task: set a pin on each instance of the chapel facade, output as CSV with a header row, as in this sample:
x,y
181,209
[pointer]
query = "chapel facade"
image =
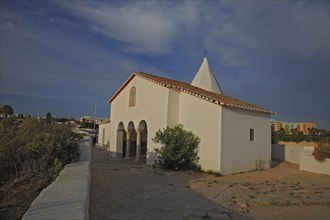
x,y
235,135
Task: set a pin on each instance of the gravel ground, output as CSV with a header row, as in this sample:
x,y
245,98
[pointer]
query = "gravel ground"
x,y
124,189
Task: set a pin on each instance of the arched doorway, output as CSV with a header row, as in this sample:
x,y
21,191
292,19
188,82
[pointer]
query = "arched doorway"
x,y
142,137
121,139
131,138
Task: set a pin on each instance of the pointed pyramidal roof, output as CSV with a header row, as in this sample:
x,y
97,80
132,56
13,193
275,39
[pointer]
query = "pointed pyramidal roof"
x,y
205,78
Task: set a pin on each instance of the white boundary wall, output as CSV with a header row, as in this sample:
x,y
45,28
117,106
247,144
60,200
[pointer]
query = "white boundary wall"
x,y
301,155
308,162
287,152
68,196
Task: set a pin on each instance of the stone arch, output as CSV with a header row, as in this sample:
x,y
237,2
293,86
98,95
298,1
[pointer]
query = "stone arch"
x,y
143,125
130,140
142,140
130,126
121,139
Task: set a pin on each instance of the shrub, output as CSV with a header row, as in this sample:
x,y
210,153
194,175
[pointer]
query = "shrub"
x,y
9,146
322,151
34,147
179,148
57,166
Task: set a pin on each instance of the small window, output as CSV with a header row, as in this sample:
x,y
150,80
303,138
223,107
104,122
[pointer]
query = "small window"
x,y
251,134
132,97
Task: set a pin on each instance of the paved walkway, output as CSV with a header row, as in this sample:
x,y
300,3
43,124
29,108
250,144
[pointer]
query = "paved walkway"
x,y
123,189
68,196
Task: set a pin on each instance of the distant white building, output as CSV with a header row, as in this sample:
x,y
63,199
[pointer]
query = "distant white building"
x,y
235,135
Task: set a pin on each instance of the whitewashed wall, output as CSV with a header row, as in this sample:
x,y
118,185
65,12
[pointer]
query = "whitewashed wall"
x,y
203,119
104,134
301,155
173,108
308,163
287,152
151,106
216,126
238,153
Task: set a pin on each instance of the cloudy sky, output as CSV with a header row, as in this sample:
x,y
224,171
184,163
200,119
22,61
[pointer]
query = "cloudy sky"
x,y
60,56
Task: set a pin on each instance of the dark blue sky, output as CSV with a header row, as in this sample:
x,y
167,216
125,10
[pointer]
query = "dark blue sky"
x,y
62,55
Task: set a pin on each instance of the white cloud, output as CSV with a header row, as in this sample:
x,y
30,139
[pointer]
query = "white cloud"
x,y
48,61
141,28
240,33
253,31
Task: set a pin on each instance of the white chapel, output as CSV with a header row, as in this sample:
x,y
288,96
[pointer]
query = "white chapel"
x,y
235,135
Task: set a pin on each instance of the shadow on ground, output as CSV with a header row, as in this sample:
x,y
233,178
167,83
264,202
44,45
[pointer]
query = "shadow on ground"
x,y
276,163
124,189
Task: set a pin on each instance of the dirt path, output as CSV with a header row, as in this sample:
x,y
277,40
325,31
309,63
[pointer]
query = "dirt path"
x,y
123,189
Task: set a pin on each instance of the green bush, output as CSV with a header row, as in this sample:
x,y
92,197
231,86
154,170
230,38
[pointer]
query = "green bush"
x,y
322,151
179,148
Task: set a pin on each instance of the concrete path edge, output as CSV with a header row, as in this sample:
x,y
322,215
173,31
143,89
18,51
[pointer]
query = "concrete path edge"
x,y
68,196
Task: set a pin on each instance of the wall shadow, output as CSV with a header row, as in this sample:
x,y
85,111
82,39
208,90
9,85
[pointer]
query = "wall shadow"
x,y
147,193
277,154
275,163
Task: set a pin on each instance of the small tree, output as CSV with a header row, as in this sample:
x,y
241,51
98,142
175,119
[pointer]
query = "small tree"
x,y
48,117
6,110
179,148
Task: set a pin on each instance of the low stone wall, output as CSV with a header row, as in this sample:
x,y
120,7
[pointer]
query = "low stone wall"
x,y
68,196
287,152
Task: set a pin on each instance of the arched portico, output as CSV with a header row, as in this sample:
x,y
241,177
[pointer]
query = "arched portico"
x,y
132,141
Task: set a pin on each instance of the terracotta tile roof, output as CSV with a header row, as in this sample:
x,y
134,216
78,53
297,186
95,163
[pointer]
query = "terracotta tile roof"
x,y
218,99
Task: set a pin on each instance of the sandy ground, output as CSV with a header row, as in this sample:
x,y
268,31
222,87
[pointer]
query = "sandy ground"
x,y
282,192
124,189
